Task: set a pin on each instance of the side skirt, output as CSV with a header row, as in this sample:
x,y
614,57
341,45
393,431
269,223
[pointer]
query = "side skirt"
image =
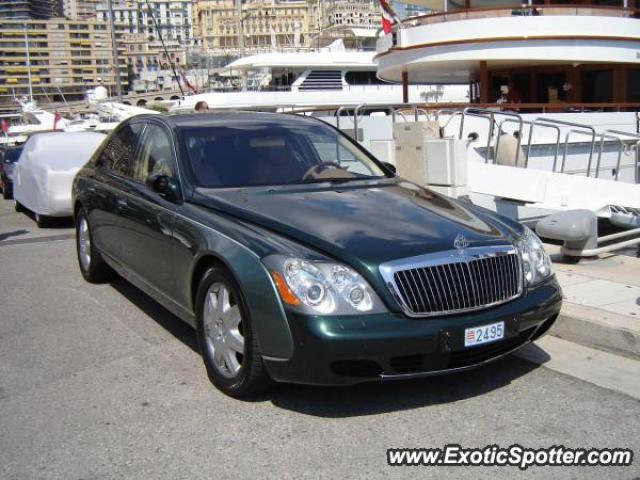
x,y
178,310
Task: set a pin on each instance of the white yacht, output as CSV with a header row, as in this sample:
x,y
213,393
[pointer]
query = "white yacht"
x,y
325,78
554,87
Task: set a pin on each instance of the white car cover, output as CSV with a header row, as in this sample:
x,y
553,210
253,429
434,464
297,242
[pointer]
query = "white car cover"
x,y
47,166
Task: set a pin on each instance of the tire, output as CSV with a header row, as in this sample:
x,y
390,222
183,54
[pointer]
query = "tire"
x,y
92,265
237,374
42,221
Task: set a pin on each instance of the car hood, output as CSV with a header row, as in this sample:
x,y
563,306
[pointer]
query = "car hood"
x,y
361,222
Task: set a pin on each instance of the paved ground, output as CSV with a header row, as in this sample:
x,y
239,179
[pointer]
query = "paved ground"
x,y
100,382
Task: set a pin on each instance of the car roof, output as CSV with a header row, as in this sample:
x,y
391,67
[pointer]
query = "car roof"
x,y
214,119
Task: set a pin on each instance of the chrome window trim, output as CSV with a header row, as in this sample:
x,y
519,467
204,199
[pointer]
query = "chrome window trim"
x,y
448,257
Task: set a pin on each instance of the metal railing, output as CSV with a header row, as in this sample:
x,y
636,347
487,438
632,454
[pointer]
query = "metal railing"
x,y
635,136
541,122
554,124
596,143
519,11
491,115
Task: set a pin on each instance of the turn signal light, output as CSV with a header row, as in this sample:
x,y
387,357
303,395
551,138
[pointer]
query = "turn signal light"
x,y
285,292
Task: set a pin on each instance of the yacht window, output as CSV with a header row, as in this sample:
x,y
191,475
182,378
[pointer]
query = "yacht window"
x,y
362,78
633,85
596,86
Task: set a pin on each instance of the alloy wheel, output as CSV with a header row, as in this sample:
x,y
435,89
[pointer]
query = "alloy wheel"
x,y
84,244
223,330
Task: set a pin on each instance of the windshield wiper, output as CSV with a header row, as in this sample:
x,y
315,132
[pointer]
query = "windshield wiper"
x,y
338,180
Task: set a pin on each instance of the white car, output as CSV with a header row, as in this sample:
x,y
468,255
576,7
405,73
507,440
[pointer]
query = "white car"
x,y
45,171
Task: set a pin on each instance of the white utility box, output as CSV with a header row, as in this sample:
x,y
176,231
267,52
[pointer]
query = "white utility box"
x,y
446,162
424,158
409,155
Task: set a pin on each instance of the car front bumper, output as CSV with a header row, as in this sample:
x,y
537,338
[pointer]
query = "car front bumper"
x,y
354,349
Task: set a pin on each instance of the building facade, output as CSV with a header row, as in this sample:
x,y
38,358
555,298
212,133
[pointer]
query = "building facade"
x,y
142,55
60,58
77,9
351,14
26,9
262,24
174,18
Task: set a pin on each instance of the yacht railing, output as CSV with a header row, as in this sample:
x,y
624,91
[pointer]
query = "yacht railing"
x,y
573,129
559,126
541,122
635,136
578,129
603,138
491,115
525,10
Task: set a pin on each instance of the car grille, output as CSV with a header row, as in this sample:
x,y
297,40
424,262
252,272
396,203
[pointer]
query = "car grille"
x,y
457,283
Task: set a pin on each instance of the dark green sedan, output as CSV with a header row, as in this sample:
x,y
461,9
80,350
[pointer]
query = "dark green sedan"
x,y
299,257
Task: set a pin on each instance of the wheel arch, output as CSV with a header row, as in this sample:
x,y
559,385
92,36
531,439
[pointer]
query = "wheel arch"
x,y
266,310
206,261
76,208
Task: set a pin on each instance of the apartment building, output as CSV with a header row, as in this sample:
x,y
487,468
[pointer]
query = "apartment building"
x,y
78,9
174,18
351,14
265,24
26,9
60,58
142,55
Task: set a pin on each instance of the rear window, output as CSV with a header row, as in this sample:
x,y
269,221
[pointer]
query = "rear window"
x,y
247,155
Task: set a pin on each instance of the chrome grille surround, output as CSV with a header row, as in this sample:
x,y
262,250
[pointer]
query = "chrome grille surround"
x,y
454,282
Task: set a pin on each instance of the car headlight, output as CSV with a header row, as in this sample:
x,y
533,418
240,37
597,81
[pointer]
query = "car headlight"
x,y
322,288
535,260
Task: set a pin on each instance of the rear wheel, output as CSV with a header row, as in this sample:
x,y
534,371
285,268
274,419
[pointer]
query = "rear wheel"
x,y
92,266
226,337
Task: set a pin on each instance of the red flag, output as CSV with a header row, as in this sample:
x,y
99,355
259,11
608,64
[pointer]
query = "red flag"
x,y
389,16
4,126
56,119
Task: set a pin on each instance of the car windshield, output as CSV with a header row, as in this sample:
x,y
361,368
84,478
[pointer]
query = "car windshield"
x,y
12,155
247,155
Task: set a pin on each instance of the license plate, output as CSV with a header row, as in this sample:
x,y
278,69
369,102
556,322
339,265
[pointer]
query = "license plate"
x,y
483,334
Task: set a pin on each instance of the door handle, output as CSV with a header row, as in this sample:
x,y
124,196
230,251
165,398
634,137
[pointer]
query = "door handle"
x,y
121,203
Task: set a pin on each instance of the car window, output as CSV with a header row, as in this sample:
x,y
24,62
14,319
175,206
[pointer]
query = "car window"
x,y
117,155
273,154
156,154
344,154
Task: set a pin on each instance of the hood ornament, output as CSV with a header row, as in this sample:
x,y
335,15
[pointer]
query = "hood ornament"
x,y
460,243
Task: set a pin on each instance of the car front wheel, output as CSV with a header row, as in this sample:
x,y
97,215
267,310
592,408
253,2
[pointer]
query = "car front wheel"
x,y
226,337
92,266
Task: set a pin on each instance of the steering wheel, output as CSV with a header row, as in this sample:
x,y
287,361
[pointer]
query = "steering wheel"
x,y
316,170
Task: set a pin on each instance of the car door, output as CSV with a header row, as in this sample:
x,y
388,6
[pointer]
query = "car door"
x,y
148,216
110,190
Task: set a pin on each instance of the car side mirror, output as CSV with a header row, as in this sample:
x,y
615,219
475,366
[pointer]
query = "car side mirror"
x,y
473,136
164,185
390,166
